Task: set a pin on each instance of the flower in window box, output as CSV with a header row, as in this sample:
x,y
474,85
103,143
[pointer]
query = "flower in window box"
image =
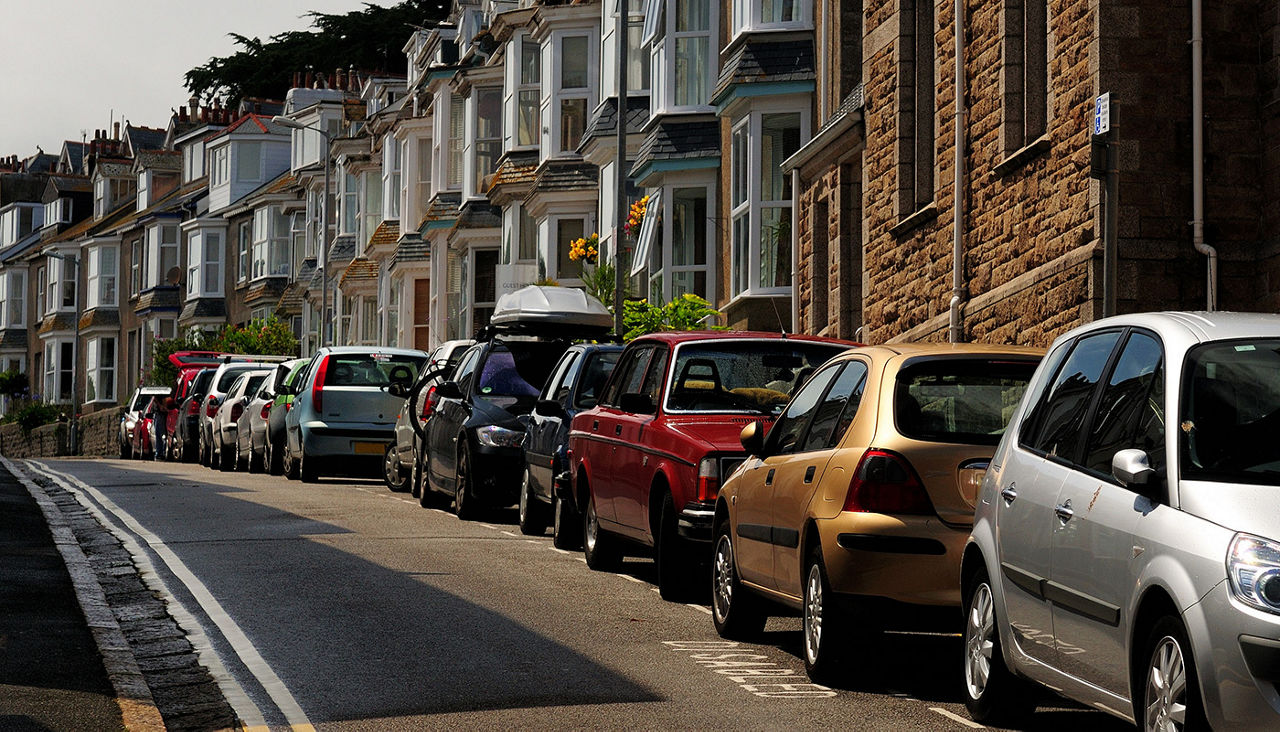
x,y
635,216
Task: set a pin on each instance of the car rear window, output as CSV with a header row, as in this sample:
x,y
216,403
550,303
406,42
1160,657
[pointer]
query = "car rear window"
x,y
966,401
371,369
513,373
229,377
201,383
743,376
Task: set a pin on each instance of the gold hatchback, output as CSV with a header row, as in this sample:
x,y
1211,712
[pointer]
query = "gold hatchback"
x,y
861,496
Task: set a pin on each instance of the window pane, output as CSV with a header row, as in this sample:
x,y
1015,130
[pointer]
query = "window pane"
x,y
1131,413
1054,425
689,226
693,15
692,71
967,402
567,231
573,120
779,11
527,118
775,247
247,160
689,283
791,425
1230,394
637,60
573,62
528,236
739,162
838,408
779,140
741,261
530,61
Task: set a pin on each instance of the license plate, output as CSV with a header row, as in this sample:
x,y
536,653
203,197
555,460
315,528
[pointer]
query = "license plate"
x,y
369,448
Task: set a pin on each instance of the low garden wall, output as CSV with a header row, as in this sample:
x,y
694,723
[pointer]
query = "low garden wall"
x,y
99,436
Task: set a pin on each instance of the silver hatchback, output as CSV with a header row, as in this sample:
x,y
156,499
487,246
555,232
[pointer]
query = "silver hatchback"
x,y
1126,547
343,408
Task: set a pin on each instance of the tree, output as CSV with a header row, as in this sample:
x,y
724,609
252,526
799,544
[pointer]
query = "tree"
x,y
270,337
369,40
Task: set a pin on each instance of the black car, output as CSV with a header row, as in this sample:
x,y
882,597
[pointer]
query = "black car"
x,y
186,443
546,494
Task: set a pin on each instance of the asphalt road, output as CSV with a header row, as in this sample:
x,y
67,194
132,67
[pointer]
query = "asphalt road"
x,y
348,607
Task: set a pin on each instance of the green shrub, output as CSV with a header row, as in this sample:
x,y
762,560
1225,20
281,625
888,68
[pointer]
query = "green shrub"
x,y
683,313
31,413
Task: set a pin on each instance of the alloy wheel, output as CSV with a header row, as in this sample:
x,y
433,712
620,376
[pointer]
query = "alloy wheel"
x,y
723,577
813,606
1166,688
979,641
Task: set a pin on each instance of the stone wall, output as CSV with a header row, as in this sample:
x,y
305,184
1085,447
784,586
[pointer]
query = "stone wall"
x,y
99,436
829,287
100,432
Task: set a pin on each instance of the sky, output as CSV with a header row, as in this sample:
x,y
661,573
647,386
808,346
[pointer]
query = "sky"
x,y
66,65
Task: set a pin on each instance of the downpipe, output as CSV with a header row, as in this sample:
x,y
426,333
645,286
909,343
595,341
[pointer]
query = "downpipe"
x,y
1197,156
959,292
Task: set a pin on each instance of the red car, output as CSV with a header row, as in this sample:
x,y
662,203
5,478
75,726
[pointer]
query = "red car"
x,y
648,461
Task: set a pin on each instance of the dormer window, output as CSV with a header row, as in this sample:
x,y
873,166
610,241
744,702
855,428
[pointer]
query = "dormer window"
x,y
249,162
57,212
19,221
759,15
101,193
220,166
144,190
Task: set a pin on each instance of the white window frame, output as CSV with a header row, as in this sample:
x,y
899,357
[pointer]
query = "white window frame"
x,y
475,173
747,17
664,274
662,55
556,94
392,162
269,253
101,285
246,152
158,242
553,242
13,299
96,367
349,202
747,131
523,87
144,190
370,207
220,165
58,366
57,212
456,141
244,245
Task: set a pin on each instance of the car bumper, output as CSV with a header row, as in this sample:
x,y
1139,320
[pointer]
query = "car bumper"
x,y
1237,653
694,521
909,559
496,473
321,439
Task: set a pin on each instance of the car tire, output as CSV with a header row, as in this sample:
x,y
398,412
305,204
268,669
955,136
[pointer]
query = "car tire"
x,y
257,461
825,628
678,566
272,458
566,525
599,547
308,471
290,465
464,500
738,613
415,476
226,459
992,693
126,450
533,515
1169,680
391,471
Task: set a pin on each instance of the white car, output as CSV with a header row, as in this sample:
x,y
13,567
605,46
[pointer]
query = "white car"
x,y
225,421
222,380
133,411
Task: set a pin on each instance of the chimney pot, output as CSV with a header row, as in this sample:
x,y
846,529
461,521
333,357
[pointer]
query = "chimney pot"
x,y
116,135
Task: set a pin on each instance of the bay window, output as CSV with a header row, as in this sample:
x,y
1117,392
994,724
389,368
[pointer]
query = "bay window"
x,y
348,311
679,217
244,239
681,52
42,285
57,212
270,250
393,311
756,15
371,210
456,142
392,155
60,290
297,240
488,136
349,202
100,277
424,178
368,321
162,254
135,266
520,236
760,230
485,288
567,230
574,57
100,369
212,263
59,361
529,75
13,299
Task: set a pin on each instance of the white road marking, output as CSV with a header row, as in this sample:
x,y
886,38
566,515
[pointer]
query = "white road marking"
x,y
508,533
487,526
632,579
699,608
956,718
533,541
556,549
239,642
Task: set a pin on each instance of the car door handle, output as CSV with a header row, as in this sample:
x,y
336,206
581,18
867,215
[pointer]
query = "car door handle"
x,y
1009,493
808,474
617,429
768,479
595,425
1064,512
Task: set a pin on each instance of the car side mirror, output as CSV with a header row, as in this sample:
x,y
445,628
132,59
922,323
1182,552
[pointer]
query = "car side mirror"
x,y
397,389
637,403
548,408
752,439
1133,469
449,390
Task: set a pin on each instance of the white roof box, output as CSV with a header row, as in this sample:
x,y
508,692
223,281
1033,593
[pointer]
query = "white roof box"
x,y
561,311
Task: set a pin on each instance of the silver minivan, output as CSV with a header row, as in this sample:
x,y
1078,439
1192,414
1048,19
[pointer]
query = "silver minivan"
x,y
1126,546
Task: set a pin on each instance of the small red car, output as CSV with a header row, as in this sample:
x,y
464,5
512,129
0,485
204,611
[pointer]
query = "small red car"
x,y
648,461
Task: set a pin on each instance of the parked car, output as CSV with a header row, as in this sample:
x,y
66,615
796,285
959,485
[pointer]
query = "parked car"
x,y
225,422
402,456
1126,548
164,419
546,495
223,378
343,410
855,508
650,458
186,434
251,427
132,411
273,448
476,429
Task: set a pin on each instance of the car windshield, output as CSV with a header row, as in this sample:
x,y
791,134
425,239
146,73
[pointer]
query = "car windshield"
x,y
599,366
372,369
513,373
1231,412
741,375
139,401
962,401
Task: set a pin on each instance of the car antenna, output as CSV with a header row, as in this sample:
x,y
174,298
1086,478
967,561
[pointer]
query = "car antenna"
x,y
778,315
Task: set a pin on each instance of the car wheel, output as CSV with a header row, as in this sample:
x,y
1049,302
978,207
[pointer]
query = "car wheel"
x,y
566,525
737,613
1171,691
992,692
415,476
463,497
226,458
825,627
533,520
126,450
678,566
599,548
257,460
391,471
272,458
290,465
308,471
205,459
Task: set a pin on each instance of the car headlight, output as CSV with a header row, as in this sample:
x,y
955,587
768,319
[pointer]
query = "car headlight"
x,y
495,436
1253,566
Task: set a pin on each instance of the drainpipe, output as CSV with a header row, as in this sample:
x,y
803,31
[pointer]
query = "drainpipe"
x,y
795,251
955,330
1197,156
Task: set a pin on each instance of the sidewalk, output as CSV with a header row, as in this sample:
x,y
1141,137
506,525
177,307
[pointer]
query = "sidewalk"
x,y
51,673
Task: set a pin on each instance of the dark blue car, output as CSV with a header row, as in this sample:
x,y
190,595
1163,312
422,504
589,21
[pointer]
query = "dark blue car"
x,y
545,496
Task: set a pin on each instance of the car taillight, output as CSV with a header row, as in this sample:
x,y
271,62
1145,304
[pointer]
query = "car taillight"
x,y
211,407
317,387
429,403
266,410
886,483
193,406
236,411
708,479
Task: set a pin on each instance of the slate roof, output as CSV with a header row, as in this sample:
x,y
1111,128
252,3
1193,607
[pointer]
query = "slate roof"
x,y
566,176
361,269
114,168
267,290
21,187
41,162
13,338
292,300
158,298
204,307
100,318
444,207
831,131
411,249
91,226
171,203
258,124
71,183
166,160
386,234
144,138
479,215
57,322
604,119
75,153
342,249
765,60
676,140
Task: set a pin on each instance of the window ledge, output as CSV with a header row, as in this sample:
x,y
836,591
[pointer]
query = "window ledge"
x,y
1021,157
915,220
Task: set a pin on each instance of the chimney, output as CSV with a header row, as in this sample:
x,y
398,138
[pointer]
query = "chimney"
x,y
353,79
116,134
